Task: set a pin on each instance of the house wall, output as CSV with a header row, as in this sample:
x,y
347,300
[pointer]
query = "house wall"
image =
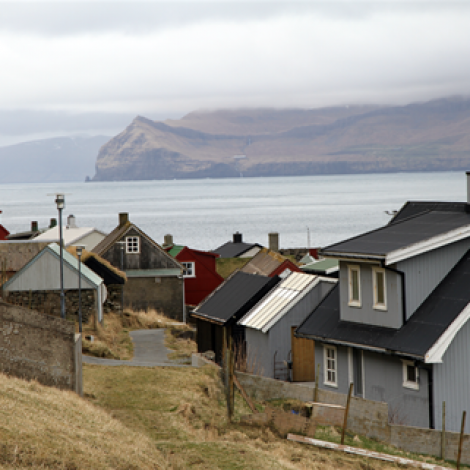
x,y
149,256
424,272
452,382
260,360
164,294
196,289
390,318
40,347
90,241
384,382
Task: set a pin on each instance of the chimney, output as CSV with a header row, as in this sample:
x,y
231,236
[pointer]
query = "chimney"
x,y
123,218
237,237
53,223
168,240
34,226
71,221
274,241
314,253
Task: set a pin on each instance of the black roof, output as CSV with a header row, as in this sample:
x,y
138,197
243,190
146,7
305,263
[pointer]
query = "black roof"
x,y
235,297
414,208
414,338
402,232
233,249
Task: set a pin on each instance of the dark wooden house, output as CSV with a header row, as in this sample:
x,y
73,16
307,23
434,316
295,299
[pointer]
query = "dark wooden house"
x,y
154,278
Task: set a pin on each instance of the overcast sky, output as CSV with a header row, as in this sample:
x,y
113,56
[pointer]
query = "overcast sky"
x,y
91,66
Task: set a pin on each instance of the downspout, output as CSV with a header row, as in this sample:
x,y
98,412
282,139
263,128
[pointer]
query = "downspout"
x,y
403,290
428,369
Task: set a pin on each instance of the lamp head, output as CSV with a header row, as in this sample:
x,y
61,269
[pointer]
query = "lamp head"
x,y
60,201
79,249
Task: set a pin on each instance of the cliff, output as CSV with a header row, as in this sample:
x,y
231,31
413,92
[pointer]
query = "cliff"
x,y
416,137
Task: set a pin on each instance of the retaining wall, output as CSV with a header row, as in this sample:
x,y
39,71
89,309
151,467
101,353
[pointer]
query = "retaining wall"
x,y
40,347
366,417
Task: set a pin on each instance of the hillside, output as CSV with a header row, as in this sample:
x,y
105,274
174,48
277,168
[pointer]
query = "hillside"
x,y
351,139
50,160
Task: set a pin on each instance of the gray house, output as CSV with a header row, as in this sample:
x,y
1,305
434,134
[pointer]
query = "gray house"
x,y
269,326
396,323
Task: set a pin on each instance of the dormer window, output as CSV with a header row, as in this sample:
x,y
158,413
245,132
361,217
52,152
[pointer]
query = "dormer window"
x,y
132,245
379,288
354,275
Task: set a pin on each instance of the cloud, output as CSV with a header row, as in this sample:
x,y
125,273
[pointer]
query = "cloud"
x,y
156,58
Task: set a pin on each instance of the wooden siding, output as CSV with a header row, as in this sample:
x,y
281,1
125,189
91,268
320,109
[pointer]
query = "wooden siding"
x,y
303,358
424,272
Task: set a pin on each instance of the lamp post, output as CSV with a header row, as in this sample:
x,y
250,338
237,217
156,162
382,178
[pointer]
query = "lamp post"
x,y
60,201
79,254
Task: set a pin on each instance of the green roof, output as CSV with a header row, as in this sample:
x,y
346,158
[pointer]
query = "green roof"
x,y
324,265
175,249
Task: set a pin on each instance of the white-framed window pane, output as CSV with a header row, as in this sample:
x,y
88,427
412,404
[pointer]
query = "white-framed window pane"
x,y
380,290
189,269
354,287
380,287
132,244
330,365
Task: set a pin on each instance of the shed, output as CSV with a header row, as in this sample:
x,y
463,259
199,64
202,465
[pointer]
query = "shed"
x,y
269,328
40,278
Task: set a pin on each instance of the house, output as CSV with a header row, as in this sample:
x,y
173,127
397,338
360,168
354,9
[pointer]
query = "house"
x,y
396,323
154,278
200,272
3,231
269,326
33,232
237,248
88,237
37,285
269,263
225,306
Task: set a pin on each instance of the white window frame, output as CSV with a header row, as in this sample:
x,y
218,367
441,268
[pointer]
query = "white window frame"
x,y
132,244
379,305
408,383
191,265
327,369
351,301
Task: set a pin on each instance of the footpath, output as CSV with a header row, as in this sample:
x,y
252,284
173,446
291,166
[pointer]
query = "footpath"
x,y
149,351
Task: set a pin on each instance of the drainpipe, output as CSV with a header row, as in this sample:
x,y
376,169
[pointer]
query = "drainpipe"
x,y
403,290
184,302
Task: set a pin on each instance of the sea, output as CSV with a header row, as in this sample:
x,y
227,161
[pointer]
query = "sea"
x,y
313,211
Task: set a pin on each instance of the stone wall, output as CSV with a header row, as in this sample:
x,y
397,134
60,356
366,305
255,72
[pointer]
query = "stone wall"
x,y
40,347
113,301
48,302
366,417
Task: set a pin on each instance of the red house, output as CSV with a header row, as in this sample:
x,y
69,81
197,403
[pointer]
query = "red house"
x,y
3,231
200,274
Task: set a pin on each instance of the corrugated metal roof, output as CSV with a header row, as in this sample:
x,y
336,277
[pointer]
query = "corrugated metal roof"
x,y
264,315
324,265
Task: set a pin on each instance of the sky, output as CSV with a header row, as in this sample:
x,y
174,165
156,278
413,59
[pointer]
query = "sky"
x,y
90,67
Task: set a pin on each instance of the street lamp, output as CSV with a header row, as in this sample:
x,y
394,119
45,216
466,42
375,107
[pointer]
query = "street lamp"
x,y
60,201
79,249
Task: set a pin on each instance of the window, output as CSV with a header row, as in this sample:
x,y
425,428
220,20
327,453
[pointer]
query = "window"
x,y
330,367
189,269
410,375
354,274
380,293
132,245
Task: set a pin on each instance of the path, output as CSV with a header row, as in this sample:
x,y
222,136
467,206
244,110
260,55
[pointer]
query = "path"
x,y
149,351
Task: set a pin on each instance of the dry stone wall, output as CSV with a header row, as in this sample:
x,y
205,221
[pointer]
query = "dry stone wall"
x,y
40,347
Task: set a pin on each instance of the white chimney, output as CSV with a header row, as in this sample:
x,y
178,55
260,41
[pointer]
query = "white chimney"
x,y
71,221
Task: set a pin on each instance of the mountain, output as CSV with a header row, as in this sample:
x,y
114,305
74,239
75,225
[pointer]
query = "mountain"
x,y
50,160
271,142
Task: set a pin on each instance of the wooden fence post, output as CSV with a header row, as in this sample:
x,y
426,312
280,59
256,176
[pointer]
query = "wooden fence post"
x,y
346,411
459,455
443,433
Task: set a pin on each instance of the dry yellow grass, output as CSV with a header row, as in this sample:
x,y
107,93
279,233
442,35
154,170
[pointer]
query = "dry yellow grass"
x,y
42,427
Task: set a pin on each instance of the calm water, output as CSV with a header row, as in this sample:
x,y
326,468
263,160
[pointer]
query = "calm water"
x,y
205,213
